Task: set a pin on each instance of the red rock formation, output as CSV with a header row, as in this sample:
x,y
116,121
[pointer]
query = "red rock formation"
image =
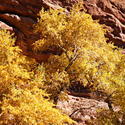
x,y
81,109
112,14
20,15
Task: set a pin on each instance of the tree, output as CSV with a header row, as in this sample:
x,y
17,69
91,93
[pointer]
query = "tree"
x,y
84,57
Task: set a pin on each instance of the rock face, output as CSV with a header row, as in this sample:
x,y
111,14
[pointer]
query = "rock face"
x,y
112,14
19,16
81,109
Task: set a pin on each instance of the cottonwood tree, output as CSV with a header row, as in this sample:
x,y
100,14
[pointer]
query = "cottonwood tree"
x,y
84,56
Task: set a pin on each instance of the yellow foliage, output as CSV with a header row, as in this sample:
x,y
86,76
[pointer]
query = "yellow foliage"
x,y
86,57
29,107
23,102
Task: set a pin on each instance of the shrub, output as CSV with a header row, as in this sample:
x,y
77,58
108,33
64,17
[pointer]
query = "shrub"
x,y
23,102
29,107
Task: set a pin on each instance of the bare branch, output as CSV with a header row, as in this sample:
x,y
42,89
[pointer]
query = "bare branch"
x,y
71,61
90,83
108,100
73,58
64,50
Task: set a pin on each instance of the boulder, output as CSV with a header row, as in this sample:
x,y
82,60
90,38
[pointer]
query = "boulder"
x,y
81,109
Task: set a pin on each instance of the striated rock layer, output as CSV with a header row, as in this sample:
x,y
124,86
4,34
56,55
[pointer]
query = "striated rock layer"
x,y
112,14
19,16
